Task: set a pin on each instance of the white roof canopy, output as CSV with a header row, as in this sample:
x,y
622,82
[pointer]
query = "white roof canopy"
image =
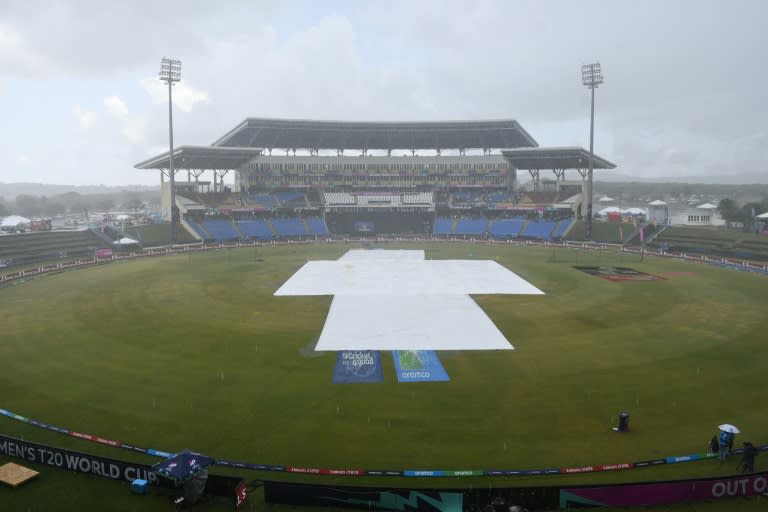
x,y
14,220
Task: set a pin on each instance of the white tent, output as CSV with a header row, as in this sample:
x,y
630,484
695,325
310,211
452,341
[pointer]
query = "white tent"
x,y
707,206
763,216
609,209
657,202
605,199
126,241
14,221
634,211
123,216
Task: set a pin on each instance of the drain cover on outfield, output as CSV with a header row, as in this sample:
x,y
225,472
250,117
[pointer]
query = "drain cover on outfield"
x,y
618,273
397,300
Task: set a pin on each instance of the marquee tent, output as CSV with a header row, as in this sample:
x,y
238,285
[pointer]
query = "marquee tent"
x,y
14,221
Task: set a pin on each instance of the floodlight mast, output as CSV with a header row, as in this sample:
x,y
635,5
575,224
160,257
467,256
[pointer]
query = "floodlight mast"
x,y
170,72
591,76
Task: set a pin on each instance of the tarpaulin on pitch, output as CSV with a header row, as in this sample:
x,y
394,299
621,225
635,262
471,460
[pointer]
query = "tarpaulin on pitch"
x,y
418,366
353,366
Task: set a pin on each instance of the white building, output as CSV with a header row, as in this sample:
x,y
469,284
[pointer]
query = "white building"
x,y
703,215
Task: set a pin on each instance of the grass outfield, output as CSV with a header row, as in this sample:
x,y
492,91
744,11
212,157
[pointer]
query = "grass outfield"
x,y
135,351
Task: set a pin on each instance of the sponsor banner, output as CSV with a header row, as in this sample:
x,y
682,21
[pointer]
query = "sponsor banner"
x,y
654,462
465,472
103,253
618,273
363,497
241,494
361,472
75,461
683,458
354,366
418,366
603,467
424,472
383,472
218,485
663,493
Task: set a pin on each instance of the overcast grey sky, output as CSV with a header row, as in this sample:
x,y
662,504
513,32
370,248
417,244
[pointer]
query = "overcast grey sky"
x,y
684,93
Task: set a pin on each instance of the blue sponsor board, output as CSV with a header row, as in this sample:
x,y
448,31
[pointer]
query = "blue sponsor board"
x,y
354,366
418,366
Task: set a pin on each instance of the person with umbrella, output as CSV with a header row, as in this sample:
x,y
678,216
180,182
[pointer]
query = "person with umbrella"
x,y
725,440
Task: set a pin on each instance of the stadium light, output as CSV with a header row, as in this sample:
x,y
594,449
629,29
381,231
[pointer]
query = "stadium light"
x,y
170,72
591,76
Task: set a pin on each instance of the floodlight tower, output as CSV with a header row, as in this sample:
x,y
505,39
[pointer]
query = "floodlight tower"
x,y
591,76
170,72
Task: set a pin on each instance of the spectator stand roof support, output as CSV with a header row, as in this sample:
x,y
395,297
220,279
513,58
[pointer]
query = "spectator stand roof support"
x,y
558,160
196,160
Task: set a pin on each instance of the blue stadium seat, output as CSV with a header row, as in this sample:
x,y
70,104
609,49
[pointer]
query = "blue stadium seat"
x,y
499,197
264,200
291,198
256,228
221,230
539,229
443,226
562,228
317,226
472,226
289,226
506,228
197,229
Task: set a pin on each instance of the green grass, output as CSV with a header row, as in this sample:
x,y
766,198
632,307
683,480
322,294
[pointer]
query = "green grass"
x,y
158,234
194,351
409,360
602,231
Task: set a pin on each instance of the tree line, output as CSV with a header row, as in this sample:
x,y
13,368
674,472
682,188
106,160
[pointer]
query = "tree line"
x,y
735,212
74,203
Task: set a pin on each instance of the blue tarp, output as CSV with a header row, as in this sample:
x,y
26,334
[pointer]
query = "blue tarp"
x,y
357,366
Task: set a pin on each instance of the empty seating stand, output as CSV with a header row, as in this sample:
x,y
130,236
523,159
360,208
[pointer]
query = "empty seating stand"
x,y
506,228
221,230
291,199
443,226
198,229
472,226
541,229
289,227
262,201
317,226
562,228
256,228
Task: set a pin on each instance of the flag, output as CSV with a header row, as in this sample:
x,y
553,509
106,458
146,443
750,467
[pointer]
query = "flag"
x,y
642,236
621,233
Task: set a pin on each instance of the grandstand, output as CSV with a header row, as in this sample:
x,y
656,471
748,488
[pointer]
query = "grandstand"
x,y
441,178
712,241
26,248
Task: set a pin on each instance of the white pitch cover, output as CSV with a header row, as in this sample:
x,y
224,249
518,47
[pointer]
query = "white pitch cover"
x,y
378,322
397,300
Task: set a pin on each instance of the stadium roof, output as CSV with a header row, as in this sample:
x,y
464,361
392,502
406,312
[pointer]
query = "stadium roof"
x,y
202,157
554,158
309,134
